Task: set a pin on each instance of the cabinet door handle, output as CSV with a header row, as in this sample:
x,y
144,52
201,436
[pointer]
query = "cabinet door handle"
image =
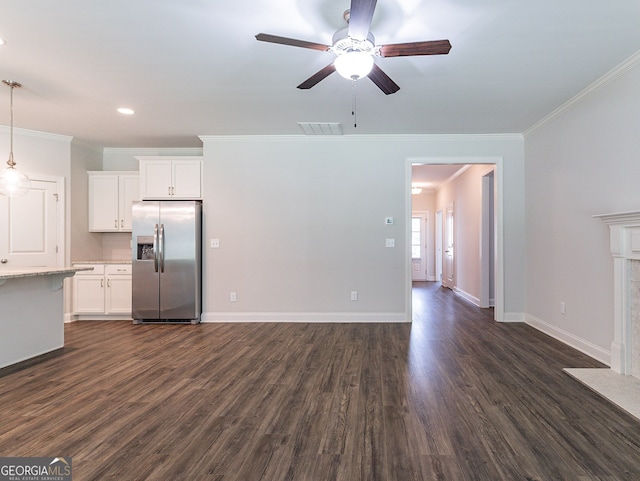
x,y
115,223
122,224
169,190
101,282
108,282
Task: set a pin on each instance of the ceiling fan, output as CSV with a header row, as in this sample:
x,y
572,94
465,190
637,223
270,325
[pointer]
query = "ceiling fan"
x,y
355,49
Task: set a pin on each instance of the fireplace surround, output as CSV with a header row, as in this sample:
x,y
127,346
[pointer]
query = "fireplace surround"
x,y
624,235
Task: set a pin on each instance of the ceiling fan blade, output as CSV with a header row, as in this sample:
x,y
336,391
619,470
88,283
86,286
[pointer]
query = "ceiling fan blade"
x,y
360,16
317,77
383,81
265,37
431,47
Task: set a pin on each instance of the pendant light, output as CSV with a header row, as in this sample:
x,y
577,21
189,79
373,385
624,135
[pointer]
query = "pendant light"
x,y
13,183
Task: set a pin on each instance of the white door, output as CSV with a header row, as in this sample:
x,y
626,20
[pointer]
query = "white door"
x,y
418,247
439,246
448,270
28,227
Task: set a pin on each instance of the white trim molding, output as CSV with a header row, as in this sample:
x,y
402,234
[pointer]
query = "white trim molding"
x,y
569,339
609,77
467,297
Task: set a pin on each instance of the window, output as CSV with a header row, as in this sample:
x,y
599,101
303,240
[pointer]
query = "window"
x,y
416,237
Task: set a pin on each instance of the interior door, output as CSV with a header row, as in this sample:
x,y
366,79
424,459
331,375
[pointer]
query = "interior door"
x,y
418,247
438,227
28,227
448,277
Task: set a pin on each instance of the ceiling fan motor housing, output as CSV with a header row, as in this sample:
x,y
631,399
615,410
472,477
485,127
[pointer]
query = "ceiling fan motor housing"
x,y
343,43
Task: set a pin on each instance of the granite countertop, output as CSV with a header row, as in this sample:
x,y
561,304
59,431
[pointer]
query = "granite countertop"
x,y
126,261
14,272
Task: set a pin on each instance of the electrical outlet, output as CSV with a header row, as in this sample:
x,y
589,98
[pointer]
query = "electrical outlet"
x,y
233,297
390,243
215,243
354,295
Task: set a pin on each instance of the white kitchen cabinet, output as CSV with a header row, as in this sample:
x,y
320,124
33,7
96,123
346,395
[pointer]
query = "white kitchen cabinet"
x,y
110,197
170,177
103,292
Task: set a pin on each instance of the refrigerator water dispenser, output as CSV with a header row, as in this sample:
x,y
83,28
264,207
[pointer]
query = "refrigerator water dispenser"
x,y
145,248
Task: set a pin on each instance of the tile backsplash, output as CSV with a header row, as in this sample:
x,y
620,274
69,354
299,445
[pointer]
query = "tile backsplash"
x,y
116,246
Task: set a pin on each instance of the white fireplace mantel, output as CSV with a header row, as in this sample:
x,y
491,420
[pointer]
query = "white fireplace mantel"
x,y
624,236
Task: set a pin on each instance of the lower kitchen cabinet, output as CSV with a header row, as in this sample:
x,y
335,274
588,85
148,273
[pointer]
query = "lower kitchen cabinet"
x,y
102,293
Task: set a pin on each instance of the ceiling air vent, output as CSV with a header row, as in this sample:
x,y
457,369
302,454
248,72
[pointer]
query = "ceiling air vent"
x,y
321,128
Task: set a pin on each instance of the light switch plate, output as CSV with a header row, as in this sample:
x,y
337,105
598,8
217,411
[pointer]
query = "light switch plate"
x,y
388,220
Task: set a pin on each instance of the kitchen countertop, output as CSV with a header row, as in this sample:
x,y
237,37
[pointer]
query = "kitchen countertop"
x,y
127,261
15,272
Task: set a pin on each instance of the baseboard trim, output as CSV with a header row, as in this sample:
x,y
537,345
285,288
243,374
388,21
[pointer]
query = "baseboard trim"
x,y
327,317
465,295
586,347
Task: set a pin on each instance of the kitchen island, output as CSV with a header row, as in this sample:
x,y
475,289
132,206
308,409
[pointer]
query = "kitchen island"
x,y
31,311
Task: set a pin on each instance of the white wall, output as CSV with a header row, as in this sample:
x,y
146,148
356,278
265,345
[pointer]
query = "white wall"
x,y
465,193
84,245
301,223
583,160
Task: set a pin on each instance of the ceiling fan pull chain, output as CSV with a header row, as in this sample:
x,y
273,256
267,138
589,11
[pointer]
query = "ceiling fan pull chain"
x,y
354,106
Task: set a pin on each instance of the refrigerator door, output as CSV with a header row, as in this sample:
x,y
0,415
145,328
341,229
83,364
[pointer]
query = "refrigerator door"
x,y
180,246
145,298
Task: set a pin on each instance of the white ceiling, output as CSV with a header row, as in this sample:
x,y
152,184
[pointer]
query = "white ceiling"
x,y
193,67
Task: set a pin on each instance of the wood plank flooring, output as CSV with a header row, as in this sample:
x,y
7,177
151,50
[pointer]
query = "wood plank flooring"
x,y
453,396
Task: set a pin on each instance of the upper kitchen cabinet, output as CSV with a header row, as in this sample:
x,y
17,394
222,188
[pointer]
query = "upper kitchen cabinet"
x,y
111,195
170,177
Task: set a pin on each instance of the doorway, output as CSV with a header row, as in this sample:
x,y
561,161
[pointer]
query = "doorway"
x,y
492,276
448,270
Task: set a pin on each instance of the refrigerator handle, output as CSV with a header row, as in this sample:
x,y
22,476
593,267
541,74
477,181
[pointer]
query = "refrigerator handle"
x,y
161,243
155,247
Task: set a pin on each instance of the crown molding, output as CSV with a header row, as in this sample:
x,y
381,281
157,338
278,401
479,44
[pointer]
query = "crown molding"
x,y
154,152
86,145
36,133
629,64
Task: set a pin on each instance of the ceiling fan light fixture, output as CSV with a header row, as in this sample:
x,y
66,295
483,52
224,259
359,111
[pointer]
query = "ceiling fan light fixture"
x,y
354,64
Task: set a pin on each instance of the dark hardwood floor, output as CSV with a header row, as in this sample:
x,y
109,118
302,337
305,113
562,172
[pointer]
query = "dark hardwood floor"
x,y
453,396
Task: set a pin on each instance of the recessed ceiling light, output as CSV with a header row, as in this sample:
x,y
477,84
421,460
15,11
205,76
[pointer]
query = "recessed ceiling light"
x,y
126,111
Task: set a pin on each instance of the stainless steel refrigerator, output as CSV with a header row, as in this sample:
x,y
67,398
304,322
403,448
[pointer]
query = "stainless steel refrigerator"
x,y
167,261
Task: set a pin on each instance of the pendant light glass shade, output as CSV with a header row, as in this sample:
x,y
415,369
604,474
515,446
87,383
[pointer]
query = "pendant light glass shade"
x,y
354,64
13,183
